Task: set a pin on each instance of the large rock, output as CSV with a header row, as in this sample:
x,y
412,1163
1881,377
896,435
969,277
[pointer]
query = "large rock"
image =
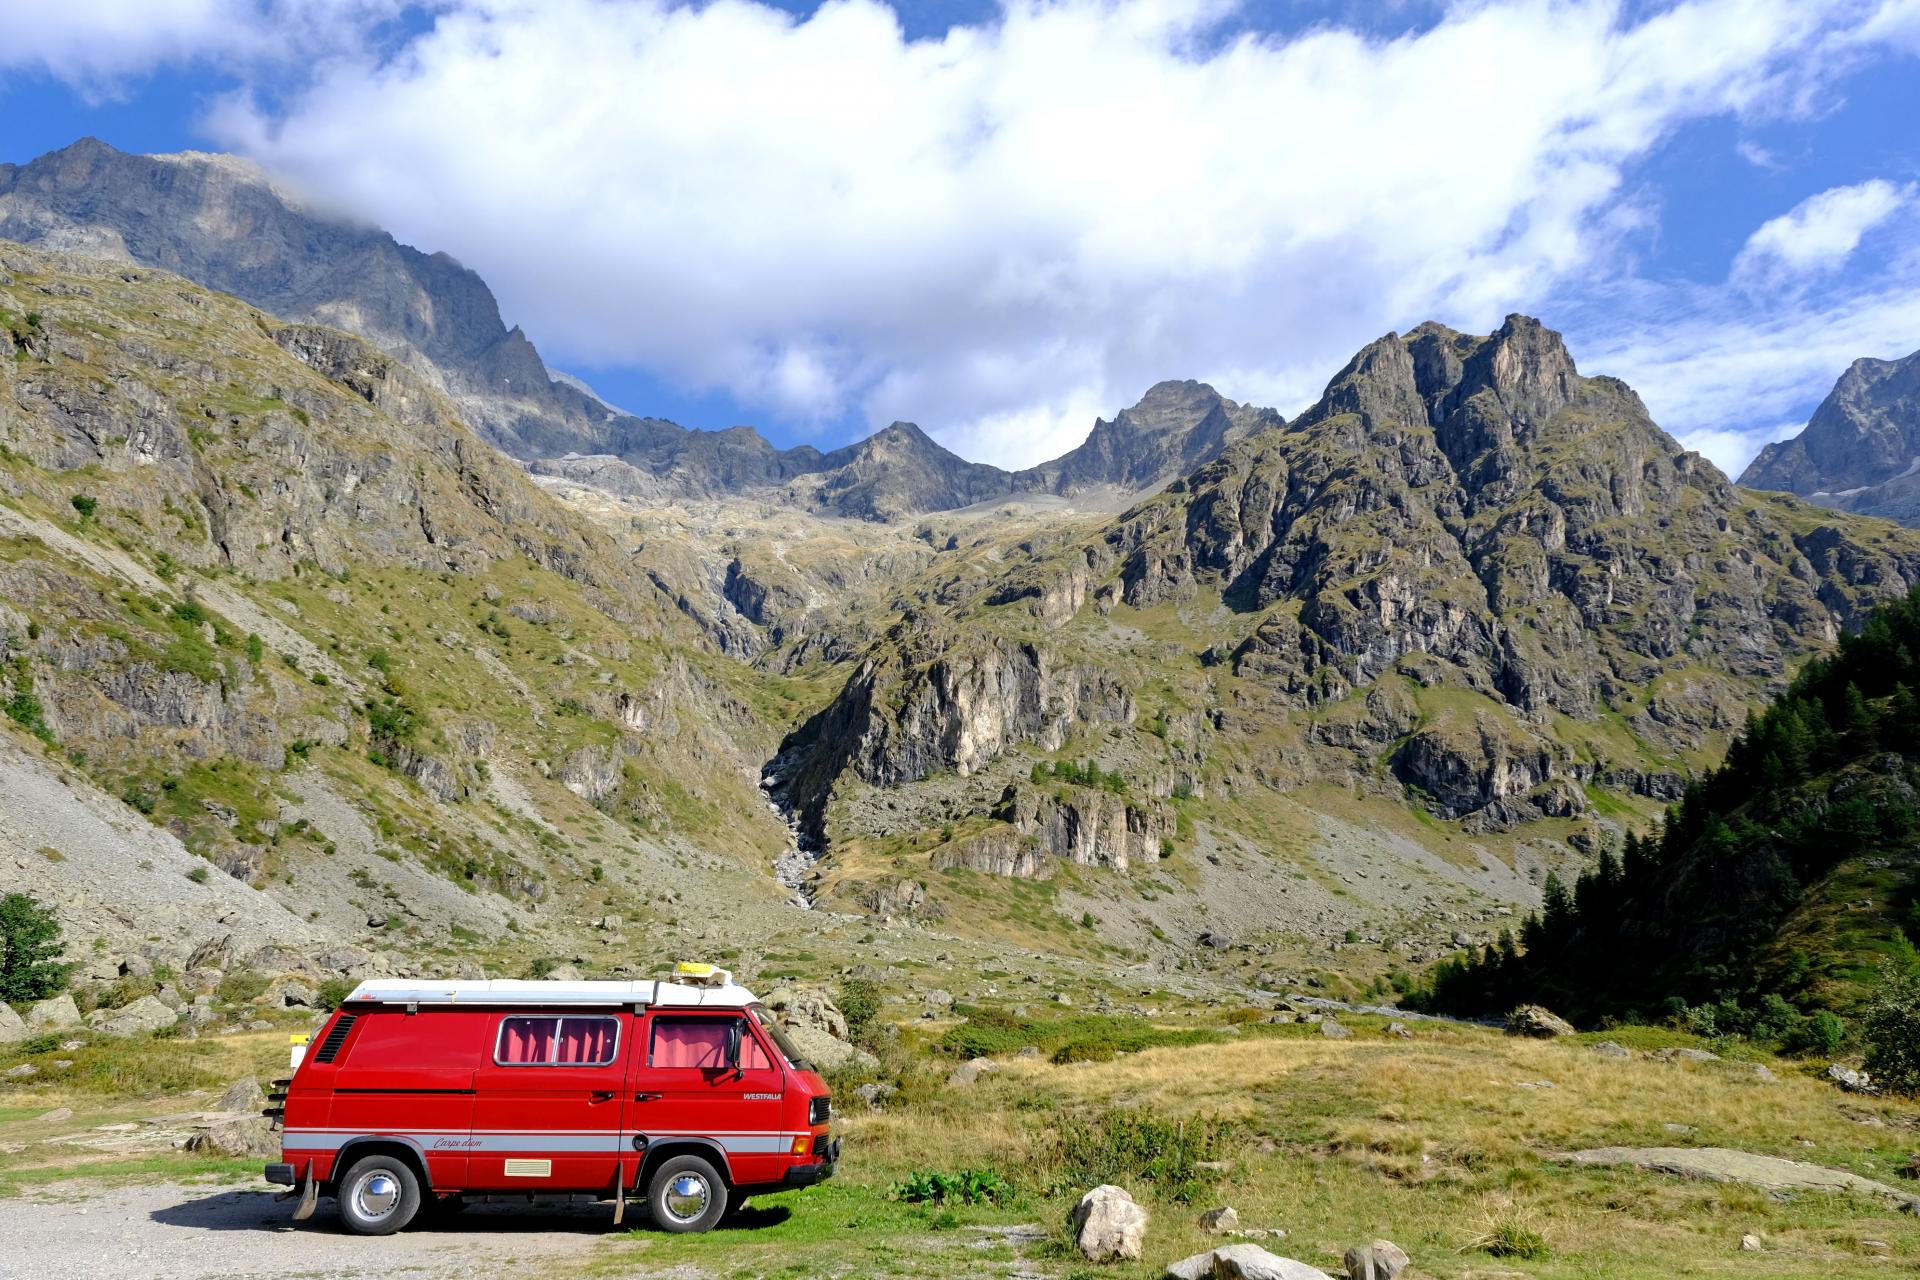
x,y
1381,1260
243,1094
827,1053
1108,1226
13,1028
807,1007
1537,1021
238,1136
53,1014
144,1014
969,1072
1241,1261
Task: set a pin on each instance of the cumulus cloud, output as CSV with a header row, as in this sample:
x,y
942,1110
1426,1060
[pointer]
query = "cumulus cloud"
x,y
1820,232
1004,230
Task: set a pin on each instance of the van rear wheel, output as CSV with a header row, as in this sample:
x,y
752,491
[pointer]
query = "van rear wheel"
x,y
378,1196
686,1195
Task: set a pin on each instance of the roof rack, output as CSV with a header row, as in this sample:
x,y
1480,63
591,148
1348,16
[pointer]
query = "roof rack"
x,y
601,994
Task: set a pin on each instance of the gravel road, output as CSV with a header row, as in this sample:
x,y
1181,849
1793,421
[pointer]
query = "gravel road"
x,y
167,1231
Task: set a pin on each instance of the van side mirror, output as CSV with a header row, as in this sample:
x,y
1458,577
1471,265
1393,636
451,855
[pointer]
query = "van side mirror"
x,y
735,1029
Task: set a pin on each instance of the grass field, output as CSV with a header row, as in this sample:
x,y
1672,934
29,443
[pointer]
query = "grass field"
x,y
1442,1142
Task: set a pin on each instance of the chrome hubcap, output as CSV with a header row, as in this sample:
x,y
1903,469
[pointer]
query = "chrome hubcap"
x,y
376,1195
687,1197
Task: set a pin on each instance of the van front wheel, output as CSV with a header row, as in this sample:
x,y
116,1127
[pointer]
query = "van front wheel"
x,y
378,1196
686,1194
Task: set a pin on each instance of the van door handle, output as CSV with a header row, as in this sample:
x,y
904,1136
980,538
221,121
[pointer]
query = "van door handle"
x,y
648,1097
599,1095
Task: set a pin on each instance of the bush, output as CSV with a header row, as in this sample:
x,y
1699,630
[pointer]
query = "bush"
x,y
86,504
333,992
859,1004
30,968
1124,1147
968,1186
1890,1028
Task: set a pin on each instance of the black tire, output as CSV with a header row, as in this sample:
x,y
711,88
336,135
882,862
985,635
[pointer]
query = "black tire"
x,y
378,1195
686,1194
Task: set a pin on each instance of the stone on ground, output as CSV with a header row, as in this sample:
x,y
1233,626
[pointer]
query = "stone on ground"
x,y
13,1028
243,1094
1381,1260
1608,1049
1220,1220
968,1072
806,1006
1750,1243
1720,1164
144,1014
238,1136
1335,1031
1108,1226
826,1052
1849,1079
1537,1021
1251,1262
54,1014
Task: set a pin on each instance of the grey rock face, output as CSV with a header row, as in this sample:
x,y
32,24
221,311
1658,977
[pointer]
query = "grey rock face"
x,y
1381,1260
1861,449
144,1014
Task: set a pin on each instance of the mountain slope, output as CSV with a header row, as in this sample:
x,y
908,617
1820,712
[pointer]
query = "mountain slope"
x,y
223,223
259,583
1783,875
1861,450
1469,580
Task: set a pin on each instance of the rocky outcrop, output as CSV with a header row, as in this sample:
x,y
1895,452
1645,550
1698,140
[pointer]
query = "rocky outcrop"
x,y
1488,768
927,700
1000,850
1088,826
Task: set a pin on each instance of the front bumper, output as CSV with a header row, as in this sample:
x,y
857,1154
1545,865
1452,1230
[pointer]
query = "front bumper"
x,y
805,1175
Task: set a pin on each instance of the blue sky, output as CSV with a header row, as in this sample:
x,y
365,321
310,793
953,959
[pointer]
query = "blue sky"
x,y
1000,222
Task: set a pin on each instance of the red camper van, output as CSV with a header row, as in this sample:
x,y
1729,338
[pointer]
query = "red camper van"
x,y
419,1094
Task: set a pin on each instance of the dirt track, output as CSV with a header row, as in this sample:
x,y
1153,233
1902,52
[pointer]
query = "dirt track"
x,y
168,1231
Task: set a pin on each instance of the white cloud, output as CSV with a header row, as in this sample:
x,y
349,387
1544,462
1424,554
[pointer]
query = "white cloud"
x,y
1820,232
93,44
1002,231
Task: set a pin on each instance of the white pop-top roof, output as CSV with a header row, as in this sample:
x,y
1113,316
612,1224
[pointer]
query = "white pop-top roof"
x,y
514,991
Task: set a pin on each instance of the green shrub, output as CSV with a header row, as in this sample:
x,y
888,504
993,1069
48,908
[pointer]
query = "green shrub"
x,y
1890,1027
241,986
1126,1147
333,992
968,1186
199,875
860,1004
86,504
30,967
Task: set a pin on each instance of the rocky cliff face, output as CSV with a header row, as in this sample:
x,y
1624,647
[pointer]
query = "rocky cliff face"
x,y
1861,450
1455,575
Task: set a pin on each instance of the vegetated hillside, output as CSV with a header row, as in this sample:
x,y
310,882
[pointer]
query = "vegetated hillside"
x,y
224,223
1861,449
1784,875
258,583
1470,583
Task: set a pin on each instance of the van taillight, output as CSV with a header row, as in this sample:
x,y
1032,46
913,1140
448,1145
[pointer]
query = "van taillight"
x,y
818,1109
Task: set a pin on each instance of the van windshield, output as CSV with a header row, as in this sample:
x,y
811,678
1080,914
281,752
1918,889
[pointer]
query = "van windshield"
x,y
788,1050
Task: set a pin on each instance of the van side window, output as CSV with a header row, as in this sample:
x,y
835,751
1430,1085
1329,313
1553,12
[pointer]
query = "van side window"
x,y
691,1042
557,1042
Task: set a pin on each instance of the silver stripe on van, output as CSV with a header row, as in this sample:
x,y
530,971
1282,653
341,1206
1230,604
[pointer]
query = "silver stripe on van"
x,y
492,1142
